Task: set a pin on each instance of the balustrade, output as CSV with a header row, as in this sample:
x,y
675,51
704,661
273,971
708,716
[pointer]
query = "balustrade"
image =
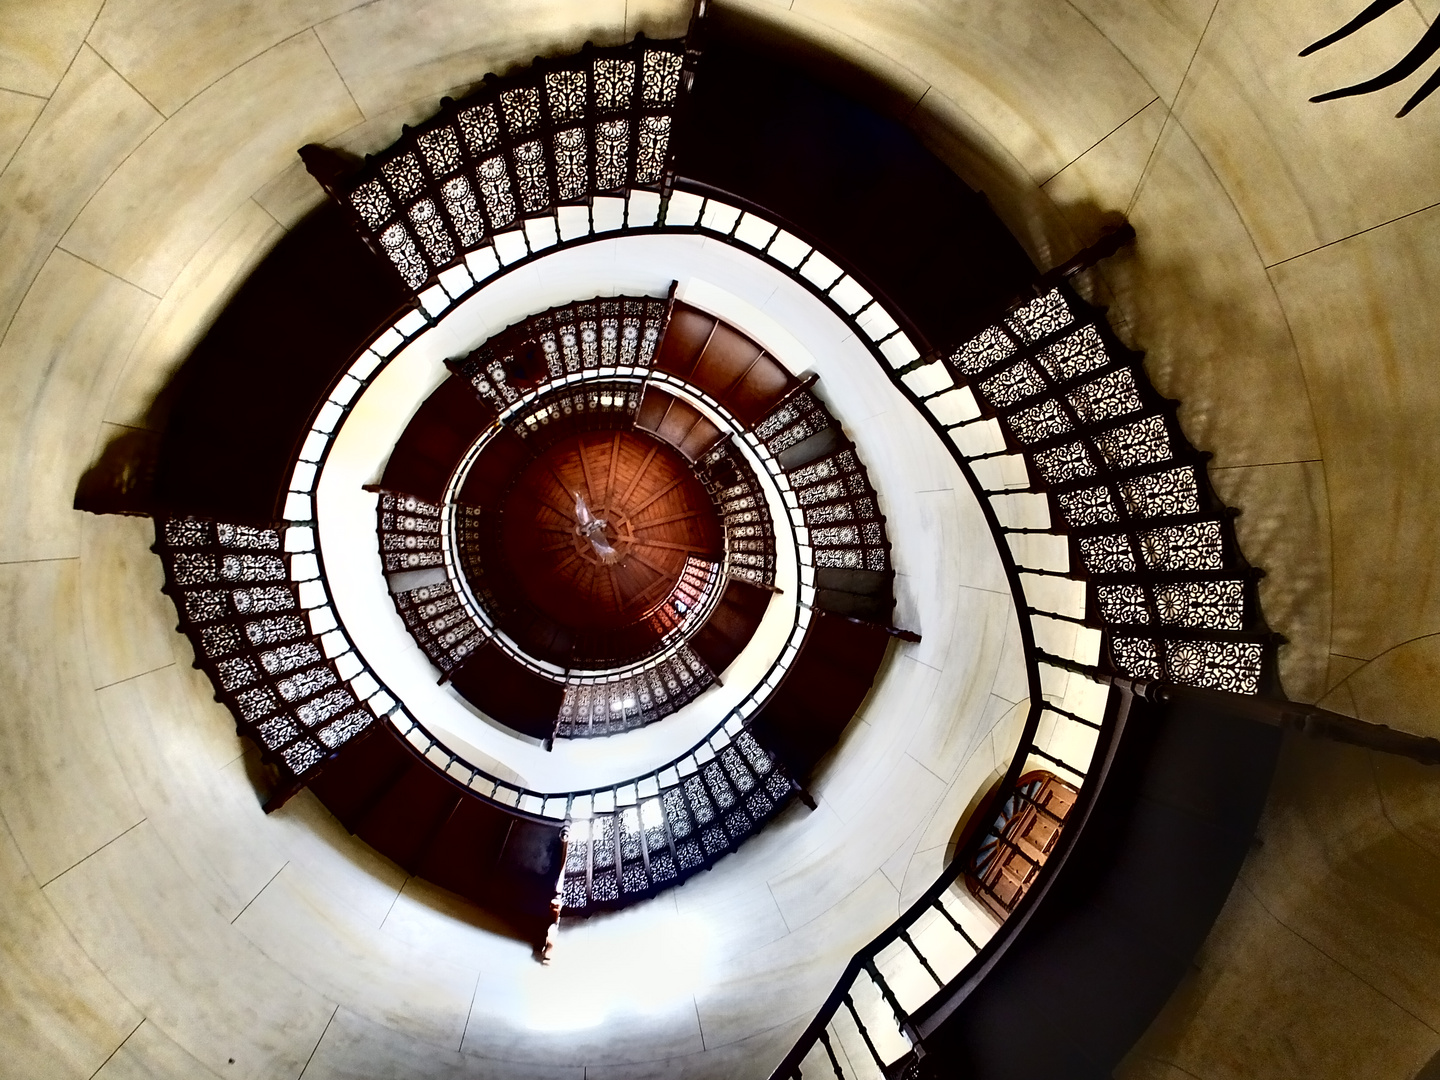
x,y
281,670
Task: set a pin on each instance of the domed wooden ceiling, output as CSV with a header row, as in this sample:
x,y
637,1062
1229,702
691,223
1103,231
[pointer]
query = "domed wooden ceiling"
x,y
597,529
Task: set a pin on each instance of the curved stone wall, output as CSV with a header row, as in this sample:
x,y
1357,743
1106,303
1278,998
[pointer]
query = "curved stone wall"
x,y
1283,288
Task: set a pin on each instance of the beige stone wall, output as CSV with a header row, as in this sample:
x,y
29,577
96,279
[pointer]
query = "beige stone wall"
x,y
1283,287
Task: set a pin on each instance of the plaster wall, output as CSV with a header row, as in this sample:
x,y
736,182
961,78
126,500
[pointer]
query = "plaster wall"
x,y
156,924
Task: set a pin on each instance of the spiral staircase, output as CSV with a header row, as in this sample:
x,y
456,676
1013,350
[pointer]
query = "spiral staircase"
x,y
1145,648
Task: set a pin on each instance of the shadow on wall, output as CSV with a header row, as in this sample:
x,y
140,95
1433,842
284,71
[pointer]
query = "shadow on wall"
x,y
1226,406
122,478
1334,916
1424,49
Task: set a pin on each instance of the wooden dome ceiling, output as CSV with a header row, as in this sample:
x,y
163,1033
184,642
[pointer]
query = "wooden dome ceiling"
x,y
655,513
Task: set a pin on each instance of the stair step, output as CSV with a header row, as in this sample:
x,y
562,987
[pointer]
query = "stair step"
x,y
359,775
407,817
463,854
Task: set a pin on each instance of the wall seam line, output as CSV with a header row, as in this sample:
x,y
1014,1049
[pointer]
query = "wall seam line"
x,y
1352,236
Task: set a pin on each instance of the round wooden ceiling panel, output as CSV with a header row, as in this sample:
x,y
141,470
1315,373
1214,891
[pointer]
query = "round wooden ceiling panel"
x,y
597,529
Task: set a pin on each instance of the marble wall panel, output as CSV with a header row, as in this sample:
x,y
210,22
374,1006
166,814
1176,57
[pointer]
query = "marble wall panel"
x,y
1191,293
89,126
291,193
1097,187
332,862
396,51
1337,872
188,309
883,80
58,363
428,920
39,41
1274,1005
1398,687
1340,669
886,83
343,957
1158,36
18,113
997,710
874,743
1304,174
1045,83
1284,529
150,1054
746,1059
955,714
1011,677
61,791
790,978
59,1016
1366,325
133,910
739,916
149,219
358,1049
172,50
200,805
875,830
949,131
658,19
1005,735
1407,795
897,865
128,621
1329,936
933,852
537,1016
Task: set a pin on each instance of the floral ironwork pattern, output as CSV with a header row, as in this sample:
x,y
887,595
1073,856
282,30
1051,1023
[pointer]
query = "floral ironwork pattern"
x,y
609,706
563,131
271,661
1167,580
622,331
841,510
618,854
749,533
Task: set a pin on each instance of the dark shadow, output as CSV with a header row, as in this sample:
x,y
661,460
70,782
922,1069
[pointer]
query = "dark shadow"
x,y
1431,1070
122,480
1424,49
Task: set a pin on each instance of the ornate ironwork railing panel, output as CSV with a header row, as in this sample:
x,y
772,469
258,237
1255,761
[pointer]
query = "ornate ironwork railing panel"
x,y
1166,579
749,532
619,853
280,669
413,558
607,706
831,485
608,332
554,135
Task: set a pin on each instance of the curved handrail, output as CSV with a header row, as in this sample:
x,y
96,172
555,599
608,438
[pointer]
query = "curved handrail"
x,y
870,317
677,638
864,313
864,962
